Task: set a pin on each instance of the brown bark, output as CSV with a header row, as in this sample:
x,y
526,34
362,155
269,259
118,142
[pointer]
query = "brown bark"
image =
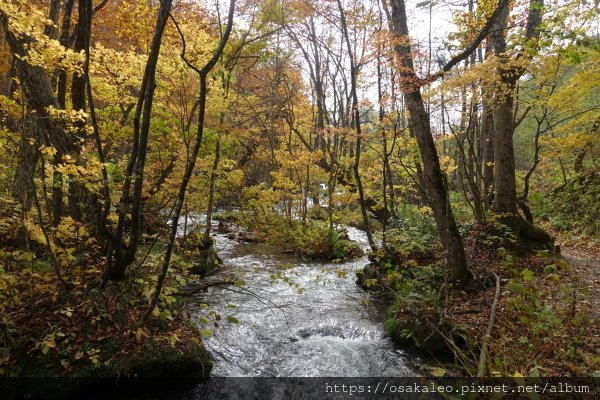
x,y
487,159
433,178
211,191
39,93
61,90
27,159
580,156
505,193
78,95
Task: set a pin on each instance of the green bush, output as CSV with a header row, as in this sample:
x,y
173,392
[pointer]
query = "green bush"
x,y
315,240
414,232
415,307
572,206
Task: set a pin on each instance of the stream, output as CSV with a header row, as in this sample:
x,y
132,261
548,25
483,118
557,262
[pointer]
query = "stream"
x,y
312,320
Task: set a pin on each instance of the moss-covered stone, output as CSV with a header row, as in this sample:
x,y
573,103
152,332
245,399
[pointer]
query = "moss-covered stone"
x,y
417,327
208,260
412,291
529,238
370,277
512,232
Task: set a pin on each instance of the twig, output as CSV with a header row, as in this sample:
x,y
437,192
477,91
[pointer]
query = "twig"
x,y
488,332
99,7
55,261
262,300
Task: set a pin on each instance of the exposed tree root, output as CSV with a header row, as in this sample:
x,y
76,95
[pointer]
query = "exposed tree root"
x,y
529,238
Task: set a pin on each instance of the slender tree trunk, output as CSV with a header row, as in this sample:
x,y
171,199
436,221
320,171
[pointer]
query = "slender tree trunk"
x,y
53,13
505,197
61,97
487,160
580,156
122,257
433,178
357,126
78,95
330,190
191,162
65,32
385,164
211,191
27,159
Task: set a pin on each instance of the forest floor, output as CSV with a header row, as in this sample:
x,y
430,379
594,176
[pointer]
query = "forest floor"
x,y
547,314
584,257
47,330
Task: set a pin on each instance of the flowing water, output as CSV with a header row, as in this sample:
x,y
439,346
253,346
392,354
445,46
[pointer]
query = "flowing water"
x,y
296,318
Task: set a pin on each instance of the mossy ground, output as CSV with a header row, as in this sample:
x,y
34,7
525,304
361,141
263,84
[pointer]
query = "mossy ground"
x,y
154,360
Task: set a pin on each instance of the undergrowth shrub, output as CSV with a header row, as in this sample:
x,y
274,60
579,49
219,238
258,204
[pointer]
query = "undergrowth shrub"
x,y
574,205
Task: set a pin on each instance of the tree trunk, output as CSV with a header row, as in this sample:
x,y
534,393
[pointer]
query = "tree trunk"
x,y
39,93
487,159
191,162
27,159
211,190
529,237
78,92
357,126
433,178
132,203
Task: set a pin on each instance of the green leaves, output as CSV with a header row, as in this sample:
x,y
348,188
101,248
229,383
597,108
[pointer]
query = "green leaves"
x,y
370,282
516,287
527,275
206,333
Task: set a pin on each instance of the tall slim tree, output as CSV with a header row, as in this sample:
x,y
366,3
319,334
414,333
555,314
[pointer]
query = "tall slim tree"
x,y
121,255
191,161
432,177
357,127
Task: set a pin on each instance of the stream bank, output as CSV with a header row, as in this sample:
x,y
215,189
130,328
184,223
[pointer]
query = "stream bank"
x,y
537,305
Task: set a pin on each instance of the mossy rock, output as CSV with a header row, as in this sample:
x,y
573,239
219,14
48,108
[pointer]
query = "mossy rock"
x,y
317,213
164,361
369,273
340,249
416,329
528,238
351,249
208,259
